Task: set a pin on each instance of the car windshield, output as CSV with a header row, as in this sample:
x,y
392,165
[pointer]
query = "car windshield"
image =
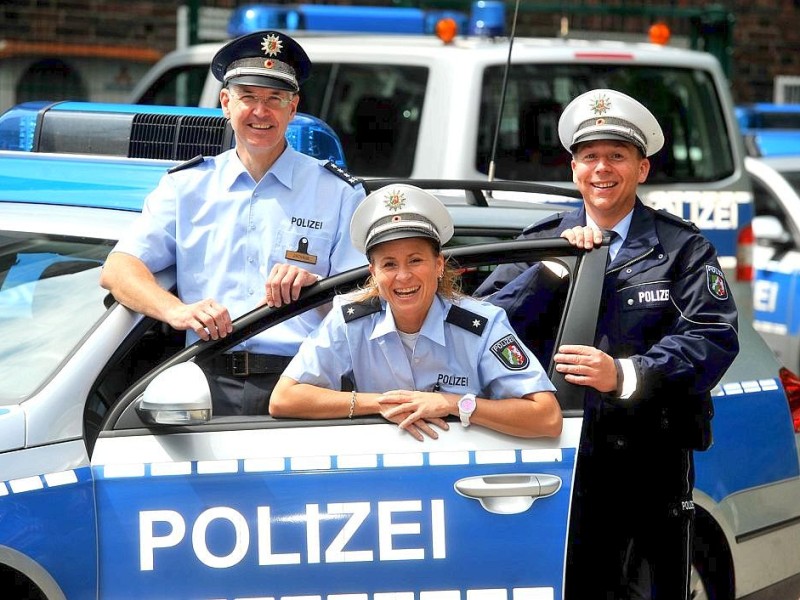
x,y
49,299
374,108
793,177
697,144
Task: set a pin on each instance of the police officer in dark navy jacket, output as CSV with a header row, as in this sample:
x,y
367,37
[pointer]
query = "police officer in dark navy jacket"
x,y
665,336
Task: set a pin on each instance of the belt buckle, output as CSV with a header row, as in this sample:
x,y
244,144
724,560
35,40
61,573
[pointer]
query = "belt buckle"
x,y
240,364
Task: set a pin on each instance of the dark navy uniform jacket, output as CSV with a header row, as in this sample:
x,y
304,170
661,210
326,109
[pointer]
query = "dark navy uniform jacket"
x,y
665,305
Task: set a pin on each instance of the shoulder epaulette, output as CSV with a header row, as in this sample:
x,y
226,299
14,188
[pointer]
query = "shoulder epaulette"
x,y
466,319
188,164
356,310
548,222
668,216
342,174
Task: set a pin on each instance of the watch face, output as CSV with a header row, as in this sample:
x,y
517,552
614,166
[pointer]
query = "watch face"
x,y
467,404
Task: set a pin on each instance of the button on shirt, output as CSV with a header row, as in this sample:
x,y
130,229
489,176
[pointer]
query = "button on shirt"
x,y
451,357
224,232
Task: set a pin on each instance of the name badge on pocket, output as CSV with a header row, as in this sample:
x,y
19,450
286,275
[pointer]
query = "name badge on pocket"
x,y
301,254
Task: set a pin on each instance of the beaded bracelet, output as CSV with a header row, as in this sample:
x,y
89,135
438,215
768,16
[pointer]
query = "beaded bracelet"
x,y
352,405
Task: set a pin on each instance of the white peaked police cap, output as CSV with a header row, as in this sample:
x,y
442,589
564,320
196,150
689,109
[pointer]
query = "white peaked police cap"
x,y
399,211
609,115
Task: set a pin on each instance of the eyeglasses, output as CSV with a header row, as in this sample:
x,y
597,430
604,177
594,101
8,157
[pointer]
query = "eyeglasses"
x,y
252,100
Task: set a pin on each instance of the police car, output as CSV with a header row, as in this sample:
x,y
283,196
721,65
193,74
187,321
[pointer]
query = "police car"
x,y
117,481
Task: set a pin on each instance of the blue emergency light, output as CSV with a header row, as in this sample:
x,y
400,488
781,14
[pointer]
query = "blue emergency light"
x,y
142,131
488,17
767,115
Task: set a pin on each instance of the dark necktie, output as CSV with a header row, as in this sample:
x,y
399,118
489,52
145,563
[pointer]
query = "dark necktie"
x,y
613,235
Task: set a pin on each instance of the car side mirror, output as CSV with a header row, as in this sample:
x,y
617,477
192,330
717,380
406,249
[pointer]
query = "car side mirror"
x,y
178,395
770,231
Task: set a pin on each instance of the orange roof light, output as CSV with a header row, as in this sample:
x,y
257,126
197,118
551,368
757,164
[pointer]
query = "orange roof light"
x,y
659,33
446,29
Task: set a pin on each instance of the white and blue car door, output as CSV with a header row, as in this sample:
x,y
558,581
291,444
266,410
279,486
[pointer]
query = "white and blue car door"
x,y
322,509
254,507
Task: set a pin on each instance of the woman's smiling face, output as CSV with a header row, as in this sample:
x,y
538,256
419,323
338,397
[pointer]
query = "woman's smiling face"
x,y
407,272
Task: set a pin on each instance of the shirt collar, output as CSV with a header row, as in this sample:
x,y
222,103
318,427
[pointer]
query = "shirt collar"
x,y
621,229
432,327
233,169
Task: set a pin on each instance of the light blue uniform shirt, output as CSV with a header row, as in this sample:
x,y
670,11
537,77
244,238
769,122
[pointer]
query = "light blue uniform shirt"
x,y
479,353
224,232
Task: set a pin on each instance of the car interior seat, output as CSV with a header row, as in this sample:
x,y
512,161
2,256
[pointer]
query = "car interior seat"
x,y
375,124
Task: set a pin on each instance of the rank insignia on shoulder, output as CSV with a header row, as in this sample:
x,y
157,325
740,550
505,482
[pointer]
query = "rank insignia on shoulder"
x,y
466,319
187,164
341,173
356,310
717,285
668,216
511,353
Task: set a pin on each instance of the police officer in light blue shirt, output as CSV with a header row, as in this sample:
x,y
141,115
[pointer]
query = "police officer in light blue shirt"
x,y
250,226
413,348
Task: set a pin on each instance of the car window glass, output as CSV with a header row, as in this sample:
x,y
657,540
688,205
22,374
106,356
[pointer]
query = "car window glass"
x,y
793,177
181,86
375,109
49,299
767,204
136,356
764,202
471,278
684,101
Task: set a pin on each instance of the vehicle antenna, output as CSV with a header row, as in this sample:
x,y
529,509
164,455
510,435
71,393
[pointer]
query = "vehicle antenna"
x,y
503,92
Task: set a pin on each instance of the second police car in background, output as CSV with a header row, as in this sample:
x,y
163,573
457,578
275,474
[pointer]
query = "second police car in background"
x,y
772,138
776,295
117,482
405,103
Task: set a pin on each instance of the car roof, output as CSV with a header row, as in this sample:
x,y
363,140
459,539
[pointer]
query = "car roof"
x,y
405,47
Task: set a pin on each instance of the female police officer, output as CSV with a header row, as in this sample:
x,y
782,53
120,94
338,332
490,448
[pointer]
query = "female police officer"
x,y
666,335
415,350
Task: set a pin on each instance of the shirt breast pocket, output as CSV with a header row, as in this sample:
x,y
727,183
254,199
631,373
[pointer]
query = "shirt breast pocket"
x,y
310,251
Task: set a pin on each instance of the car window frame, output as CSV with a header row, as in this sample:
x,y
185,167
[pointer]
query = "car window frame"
x,y
578,325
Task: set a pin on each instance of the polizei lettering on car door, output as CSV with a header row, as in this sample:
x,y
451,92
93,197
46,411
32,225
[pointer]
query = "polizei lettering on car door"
x,y
163,531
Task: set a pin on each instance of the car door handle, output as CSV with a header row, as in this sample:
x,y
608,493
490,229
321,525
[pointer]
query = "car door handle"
x,y
508,494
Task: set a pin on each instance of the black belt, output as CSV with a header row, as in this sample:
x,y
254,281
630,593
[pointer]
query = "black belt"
x,y
242,364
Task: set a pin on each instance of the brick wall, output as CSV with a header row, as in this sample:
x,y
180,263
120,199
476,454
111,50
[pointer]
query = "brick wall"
x,y
767,44
104,22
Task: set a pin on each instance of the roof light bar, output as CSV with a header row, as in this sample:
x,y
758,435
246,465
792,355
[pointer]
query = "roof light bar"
x,y
141,131
356,19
